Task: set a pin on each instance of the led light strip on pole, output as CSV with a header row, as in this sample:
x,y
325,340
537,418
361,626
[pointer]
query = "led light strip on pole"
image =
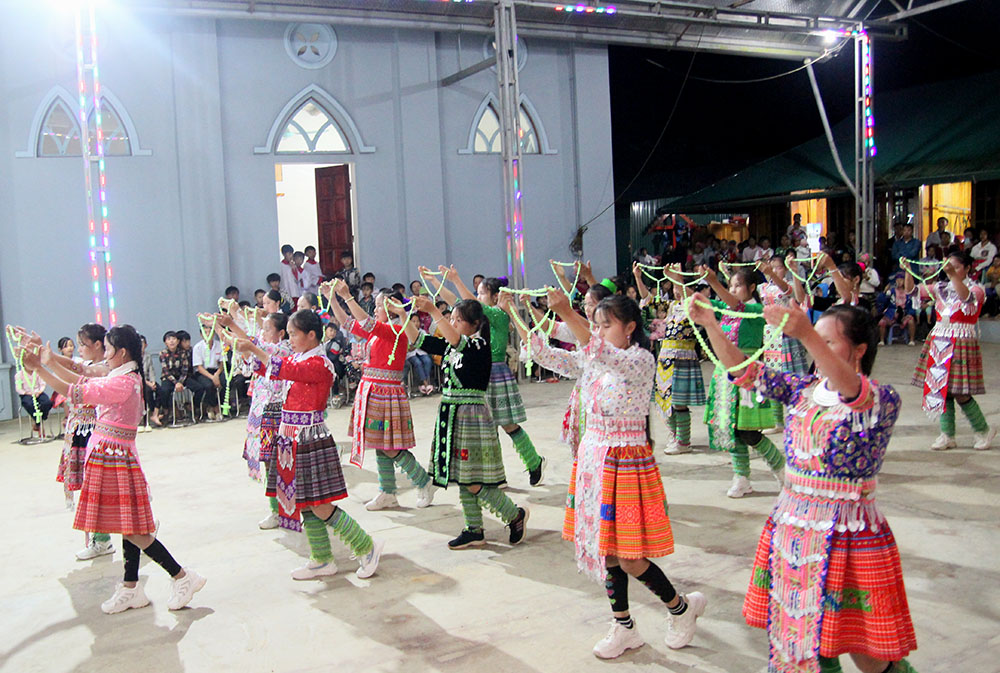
x,y
100,248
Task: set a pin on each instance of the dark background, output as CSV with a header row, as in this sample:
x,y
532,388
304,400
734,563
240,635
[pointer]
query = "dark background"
x,y
719,129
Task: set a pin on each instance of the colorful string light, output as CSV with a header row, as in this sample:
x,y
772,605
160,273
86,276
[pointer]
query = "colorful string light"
x,y
866,59
586,9
100,242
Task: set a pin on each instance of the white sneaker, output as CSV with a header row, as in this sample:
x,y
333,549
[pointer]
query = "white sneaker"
x,y
618,641
681,628
740,487
911,343
314,569
125,598
943,443
676,448
425,495
269,522
382,501
984,439
95,549
369,564
185,588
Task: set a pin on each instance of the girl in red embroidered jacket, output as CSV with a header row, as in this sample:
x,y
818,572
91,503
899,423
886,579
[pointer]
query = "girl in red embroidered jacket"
x,y
115,497
304,472
380,418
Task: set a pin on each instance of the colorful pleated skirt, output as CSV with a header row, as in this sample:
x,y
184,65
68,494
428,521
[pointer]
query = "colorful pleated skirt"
x,y
965,375
114,497
616,505
380,417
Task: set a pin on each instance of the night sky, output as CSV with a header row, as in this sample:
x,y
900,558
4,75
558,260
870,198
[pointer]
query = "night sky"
x,y
719,129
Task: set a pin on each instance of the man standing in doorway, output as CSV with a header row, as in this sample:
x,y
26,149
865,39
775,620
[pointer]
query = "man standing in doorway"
x,y
934,238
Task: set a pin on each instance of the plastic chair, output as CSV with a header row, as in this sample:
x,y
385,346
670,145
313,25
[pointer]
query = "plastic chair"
x,y
187,397
45,432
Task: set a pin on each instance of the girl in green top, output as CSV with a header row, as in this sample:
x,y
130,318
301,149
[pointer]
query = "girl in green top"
x,y
503,395
735,417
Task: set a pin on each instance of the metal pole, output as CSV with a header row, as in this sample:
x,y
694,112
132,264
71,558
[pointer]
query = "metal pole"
x,y
510,133
864,145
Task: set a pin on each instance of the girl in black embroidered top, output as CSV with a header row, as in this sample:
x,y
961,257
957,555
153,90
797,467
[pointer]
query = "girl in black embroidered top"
x,y
466,448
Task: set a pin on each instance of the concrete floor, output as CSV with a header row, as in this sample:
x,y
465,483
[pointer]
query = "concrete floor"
x,y
496,608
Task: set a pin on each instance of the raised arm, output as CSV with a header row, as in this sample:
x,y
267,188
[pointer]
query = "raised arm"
x,y
560,272
958,283
907,277
724,294
560,305
457,281
703,313
227,321
765,268
840,373
798,291
343,291
587,273
443,293
639,284
844,289
505,302
448,331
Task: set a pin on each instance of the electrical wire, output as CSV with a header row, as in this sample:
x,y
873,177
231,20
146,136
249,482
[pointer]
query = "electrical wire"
x,y
583,227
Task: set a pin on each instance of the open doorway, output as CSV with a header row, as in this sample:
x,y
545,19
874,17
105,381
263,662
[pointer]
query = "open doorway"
x,y
314,208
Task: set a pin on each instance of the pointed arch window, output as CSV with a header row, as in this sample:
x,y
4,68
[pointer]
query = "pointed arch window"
x,y
116,141
488,139
59,135
311,129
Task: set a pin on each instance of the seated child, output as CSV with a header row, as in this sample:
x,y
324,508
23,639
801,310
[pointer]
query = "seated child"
x,y
27,385
900,311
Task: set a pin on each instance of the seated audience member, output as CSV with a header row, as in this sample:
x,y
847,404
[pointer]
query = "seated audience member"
x,y
206,376
900,312
233,292
31,387
258,297
174,371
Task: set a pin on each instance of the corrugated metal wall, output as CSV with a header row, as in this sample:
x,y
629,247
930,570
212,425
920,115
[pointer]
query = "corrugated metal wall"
x,y
641,213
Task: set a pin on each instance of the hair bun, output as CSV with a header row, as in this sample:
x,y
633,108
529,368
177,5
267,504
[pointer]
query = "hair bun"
x,y
504,282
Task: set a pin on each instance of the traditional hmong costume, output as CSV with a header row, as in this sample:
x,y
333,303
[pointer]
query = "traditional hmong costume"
x,y
305,466
951,363
466,447
827,578
79,423
616,505
789,355
678,374
731,410
380,417
114,497
503,395
265,412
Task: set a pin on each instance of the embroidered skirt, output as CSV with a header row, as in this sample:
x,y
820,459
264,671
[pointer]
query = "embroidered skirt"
x,y
384,409
70,470
839,576
504,397
262,432
966,371
114,497
678,383
791,358
466,447
616,506
729,409
319,478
